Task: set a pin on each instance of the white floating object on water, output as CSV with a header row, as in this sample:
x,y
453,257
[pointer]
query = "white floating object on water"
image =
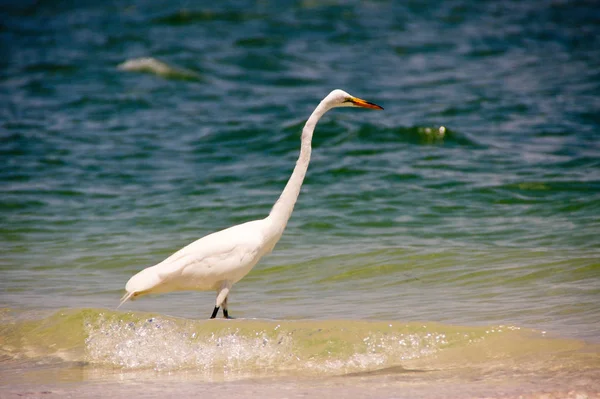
x,y
154,66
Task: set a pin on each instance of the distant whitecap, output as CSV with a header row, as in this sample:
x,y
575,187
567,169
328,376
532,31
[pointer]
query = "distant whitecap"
x,y
154,66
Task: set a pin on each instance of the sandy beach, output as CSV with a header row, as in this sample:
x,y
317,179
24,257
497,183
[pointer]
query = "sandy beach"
x,y
344,387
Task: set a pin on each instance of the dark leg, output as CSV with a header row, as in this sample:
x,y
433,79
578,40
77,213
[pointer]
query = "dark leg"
x,y
225,312
214,314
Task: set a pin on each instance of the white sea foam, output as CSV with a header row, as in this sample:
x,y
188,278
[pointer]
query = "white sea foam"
x,y
157,67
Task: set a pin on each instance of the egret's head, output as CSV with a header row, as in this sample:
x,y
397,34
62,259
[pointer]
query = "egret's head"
x,y
339,98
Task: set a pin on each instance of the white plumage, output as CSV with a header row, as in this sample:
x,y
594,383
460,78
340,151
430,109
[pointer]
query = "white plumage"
x,y
221,259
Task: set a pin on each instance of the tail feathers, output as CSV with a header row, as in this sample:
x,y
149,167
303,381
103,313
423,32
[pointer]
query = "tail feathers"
x,y
125,298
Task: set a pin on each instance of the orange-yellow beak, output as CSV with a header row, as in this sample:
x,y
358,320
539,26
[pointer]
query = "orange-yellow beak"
x,y
364,104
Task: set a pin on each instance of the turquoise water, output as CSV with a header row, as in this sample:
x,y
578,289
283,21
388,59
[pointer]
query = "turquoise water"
x,y
130,129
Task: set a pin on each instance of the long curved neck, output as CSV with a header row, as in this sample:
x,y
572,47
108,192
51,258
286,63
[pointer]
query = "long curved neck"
x,y
282,210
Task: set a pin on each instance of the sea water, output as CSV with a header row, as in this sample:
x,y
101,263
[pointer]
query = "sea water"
x,y
451,237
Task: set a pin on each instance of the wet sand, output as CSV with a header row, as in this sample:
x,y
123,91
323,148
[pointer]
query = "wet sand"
x,y
277,389
93,383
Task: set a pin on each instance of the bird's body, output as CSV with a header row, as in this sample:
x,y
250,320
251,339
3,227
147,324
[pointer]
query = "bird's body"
x,y
221,259
194,267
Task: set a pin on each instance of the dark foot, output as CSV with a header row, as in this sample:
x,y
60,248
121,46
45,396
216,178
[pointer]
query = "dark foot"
x,y
226,314
214,314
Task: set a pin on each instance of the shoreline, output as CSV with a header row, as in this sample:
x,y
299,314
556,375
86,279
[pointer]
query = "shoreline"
x,y
386,386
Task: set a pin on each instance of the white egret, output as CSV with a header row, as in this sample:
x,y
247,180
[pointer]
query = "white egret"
x,y
221,259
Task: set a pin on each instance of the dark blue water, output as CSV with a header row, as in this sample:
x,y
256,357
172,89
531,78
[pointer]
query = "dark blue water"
x,y
473,199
